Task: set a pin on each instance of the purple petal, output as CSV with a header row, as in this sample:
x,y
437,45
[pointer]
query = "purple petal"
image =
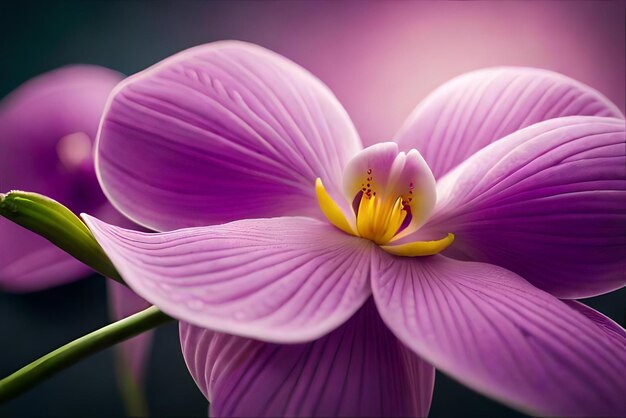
x,y
221,132
475,109
495,332
133,354
46,127
610,327
360,369
278,280
547,203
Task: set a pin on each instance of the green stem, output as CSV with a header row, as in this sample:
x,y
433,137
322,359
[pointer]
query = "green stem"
x,y
132,392
71,353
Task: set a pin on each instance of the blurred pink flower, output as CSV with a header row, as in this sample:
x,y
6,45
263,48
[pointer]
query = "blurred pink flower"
x,y
47,129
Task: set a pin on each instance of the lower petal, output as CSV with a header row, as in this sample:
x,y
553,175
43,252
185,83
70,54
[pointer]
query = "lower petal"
x,y
360,369
610,327
493,331
279,280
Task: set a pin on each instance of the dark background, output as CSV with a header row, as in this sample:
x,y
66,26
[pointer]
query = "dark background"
x,y
380,58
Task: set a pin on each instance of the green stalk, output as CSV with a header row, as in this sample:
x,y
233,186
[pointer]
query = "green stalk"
x,y
131,391
71,353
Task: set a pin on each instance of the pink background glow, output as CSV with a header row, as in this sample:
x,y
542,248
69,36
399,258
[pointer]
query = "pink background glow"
x,y
382,58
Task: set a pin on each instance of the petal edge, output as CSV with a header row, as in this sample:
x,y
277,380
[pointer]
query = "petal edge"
x,y
284,280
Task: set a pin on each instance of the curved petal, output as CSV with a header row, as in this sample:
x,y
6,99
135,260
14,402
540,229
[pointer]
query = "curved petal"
x,y
221,132
495,332
610,327
132,354
475,109
278,280
46,127
360,369
547,203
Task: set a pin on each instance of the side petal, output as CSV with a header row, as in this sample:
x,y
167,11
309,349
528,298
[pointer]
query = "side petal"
x,y
547,203
610,327
495,332
280,280
360,369
46,128
132,354
475,109
221,132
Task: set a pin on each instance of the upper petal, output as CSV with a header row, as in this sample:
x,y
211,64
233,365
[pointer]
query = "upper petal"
x,y
281,280
47,126
221,132
493,331
478,108
547,203
359,369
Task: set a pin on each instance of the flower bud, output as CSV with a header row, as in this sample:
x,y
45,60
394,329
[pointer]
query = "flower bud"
x,y
59,225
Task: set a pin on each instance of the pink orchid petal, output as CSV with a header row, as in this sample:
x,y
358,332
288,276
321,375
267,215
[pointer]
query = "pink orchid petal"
x,y
221,132
475,109
612,329
547,203
280,280
46,127
360,369
133,353
495,332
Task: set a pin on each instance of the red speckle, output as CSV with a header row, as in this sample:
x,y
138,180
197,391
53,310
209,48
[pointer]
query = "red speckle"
x,y
369,171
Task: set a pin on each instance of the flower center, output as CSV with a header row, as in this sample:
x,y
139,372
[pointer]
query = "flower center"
x,y
388,195
379,219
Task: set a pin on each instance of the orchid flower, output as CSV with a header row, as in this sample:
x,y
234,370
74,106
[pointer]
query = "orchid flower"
x,y
47,127
313,277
